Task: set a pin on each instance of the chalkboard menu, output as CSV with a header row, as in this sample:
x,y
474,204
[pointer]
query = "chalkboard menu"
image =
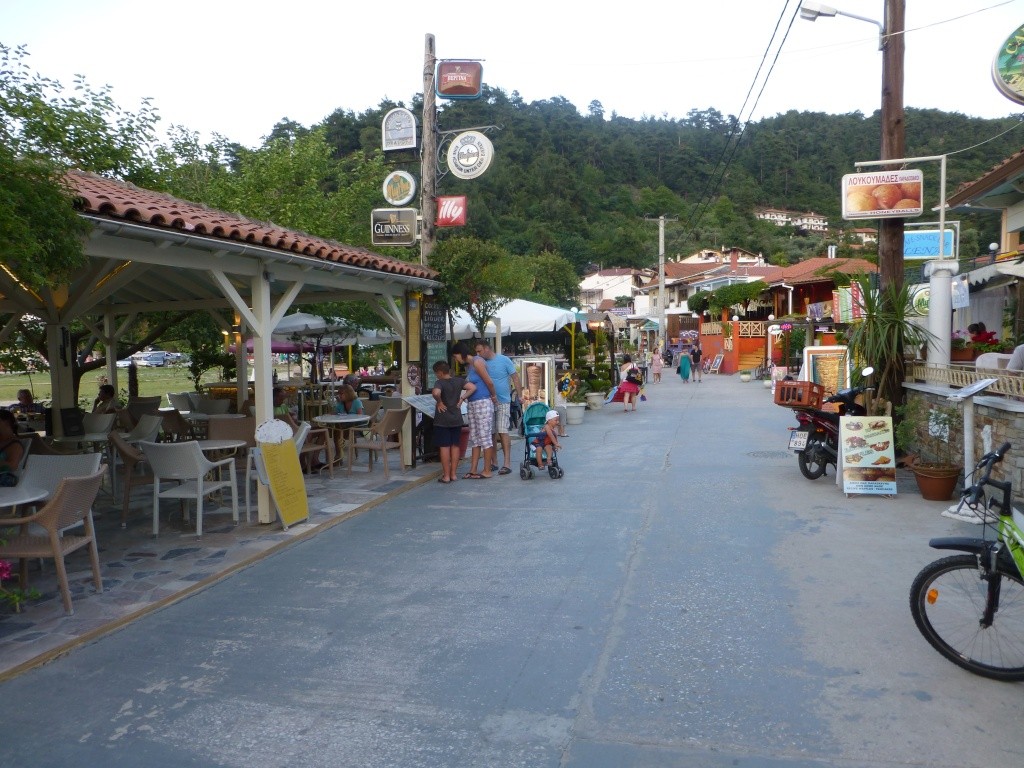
x,y
434,321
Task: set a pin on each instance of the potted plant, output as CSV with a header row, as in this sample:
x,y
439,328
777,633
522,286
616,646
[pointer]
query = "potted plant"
x,y
575,393
936,433
597,392
745,376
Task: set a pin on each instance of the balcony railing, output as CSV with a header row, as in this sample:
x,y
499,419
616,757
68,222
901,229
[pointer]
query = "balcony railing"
x,y
1007,383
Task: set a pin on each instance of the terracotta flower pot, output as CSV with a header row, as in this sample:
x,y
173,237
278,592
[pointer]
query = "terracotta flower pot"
x,y
936,483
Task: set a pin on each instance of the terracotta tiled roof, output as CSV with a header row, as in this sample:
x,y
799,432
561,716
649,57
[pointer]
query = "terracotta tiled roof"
x,y
997,174
119,200
808,271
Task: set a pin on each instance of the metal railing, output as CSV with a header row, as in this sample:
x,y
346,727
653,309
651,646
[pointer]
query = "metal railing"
x,y
1007,383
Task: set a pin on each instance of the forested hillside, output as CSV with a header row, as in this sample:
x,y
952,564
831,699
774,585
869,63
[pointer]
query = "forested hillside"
x,y
582,185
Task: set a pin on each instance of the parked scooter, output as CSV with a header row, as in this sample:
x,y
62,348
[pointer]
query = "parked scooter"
x,y
816,439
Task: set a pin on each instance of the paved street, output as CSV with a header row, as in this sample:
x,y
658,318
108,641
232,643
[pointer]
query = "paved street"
x,y
682,597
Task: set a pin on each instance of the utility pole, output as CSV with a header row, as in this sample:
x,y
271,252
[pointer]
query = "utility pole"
x,y
662,298
890,231
428,154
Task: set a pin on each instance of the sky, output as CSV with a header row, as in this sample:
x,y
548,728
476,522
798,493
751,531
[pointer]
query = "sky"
x,y
236,68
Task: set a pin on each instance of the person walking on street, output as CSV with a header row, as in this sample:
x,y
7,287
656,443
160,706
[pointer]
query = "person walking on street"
x,y
656,363
505,378
684,367
629,383
696,353
480,409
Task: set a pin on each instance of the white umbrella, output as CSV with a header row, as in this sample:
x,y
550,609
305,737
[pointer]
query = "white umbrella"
x,y
518,316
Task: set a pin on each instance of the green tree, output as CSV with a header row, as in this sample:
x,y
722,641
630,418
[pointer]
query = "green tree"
x,y
479,277
555,281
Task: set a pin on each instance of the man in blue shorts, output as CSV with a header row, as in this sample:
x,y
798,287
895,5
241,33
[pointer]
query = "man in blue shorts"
x,y
505,377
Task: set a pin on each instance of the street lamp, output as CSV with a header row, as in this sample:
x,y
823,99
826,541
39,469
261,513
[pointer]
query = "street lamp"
x,y
811,11
890,230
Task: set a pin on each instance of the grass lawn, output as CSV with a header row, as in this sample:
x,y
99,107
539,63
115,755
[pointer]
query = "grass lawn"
x,y
152,381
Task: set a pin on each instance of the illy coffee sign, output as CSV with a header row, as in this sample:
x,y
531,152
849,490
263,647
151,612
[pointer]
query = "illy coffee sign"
x,y
451,211
393,226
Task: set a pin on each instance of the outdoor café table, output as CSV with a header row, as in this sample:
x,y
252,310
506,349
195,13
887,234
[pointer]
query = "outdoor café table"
x,y
338,424
11,498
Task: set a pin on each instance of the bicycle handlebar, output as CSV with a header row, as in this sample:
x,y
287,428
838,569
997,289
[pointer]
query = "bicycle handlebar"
x,y
986,463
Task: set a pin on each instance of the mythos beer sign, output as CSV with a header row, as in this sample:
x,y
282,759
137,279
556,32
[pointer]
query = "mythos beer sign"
x,y
393,226
459,79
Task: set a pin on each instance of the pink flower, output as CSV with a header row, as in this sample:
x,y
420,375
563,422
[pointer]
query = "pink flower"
x,y
5,570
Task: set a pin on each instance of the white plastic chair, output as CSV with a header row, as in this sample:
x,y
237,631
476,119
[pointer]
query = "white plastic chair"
x,y
146,430
98,422
179,401
185,465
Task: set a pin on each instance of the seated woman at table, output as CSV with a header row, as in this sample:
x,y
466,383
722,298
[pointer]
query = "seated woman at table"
x,y
281,409
11,450
106,400
348,403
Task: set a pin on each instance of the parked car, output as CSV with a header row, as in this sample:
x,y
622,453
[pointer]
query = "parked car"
x,y
124,363
154,359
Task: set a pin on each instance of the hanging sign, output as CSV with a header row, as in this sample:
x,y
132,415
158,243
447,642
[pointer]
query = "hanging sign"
x,y
451,211
399,129
1008,67
393,226
459,79
470,154
399,188
924,244
882,194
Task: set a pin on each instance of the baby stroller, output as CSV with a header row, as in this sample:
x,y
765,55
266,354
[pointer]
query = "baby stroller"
x,y
534,418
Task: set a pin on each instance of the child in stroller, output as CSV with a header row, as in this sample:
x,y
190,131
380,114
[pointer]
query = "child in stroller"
x,y
540,428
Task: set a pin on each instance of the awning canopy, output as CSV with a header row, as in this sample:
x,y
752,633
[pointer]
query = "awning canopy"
x,y
519,316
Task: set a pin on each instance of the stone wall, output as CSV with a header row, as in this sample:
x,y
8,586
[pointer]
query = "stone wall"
x,y
1002,419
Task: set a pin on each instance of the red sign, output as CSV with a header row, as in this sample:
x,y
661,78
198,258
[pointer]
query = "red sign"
x,y
459,79
451,211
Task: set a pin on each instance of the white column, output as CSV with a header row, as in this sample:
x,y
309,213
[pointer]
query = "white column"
x,y
940,308
263,364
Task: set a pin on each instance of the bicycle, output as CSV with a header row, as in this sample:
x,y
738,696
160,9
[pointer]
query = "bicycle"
x,y
957,600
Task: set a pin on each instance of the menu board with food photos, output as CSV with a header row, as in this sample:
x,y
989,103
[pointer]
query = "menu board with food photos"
x,y
868,455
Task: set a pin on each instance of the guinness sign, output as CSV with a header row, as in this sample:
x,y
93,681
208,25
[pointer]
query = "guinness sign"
x,y
393,226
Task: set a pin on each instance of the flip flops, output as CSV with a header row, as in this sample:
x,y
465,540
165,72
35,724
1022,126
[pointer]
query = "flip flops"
x,y
505,471
472,476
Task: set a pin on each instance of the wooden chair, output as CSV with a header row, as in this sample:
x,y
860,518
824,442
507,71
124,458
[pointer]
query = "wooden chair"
x,y
384,435
184,465
238,429
318,440
175,427
132,460
70,505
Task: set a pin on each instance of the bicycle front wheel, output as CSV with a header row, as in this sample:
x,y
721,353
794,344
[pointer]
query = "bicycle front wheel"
x,y
948,601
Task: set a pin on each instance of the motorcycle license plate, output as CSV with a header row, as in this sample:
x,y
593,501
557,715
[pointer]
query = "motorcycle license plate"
x,y
798,440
